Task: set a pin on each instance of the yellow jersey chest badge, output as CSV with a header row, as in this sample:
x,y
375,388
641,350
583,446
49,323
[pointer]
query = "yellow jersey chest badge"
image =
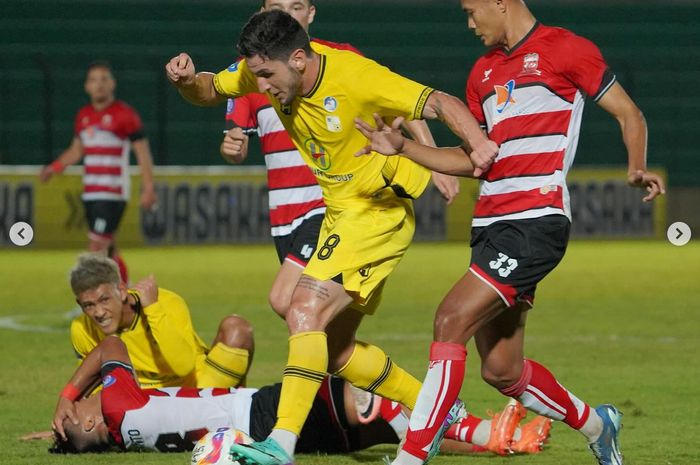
x,y
318,154
333,123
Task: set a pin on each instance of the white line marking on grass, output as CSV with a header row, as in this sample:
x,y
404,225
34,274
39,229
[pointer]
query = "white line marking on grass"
x,y
12,323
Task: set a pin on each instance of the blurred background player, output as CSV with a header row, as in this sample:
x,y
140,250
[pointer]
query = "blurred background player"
x,y
105,132
173,419
295,199
156,326
369,221
528,93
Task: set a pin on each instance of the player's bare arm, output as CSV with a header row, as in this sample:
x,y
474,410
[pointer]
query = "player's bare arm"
x,y
234,147
634,134
142,150
72,155
196,88
446,184
388,140
84,378
451,111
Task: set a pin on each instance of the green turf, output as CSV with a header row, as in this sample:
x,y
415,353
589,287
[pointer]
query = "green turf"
x,y
616,322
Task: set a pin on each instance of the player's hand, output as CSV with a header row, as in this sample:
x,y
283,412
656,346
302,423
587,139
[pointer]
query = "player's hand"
x,y
180,70
64,409
482,156
233,145
46,173
651,181
38,436
147,289
387,140
148,199
447,185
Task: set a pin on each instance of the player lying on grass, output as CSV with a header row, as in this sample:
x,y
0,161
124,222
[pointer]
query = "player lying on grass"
x,y
155,325
125,416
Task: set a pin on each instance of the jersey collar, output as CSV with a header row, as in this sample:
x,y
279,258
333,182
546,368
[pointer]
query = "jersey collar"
x,y
319,78
523,40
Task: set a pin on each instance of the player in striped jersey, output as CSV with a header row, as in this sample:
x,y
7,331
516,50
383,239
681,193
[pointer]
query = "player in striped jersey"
x,y
126,416
105,132
528,93
295,198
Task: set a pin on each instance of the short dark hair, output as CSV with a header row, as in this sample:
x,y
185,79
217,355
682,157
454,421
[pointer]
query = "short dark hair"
x,y
104,64
273,35
262,3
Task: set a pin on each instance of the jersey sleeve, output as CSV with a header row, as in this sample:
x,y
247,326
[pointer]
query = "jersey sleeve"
x,y
171,326
390,94
586,67
474,100
80,339
120,393
239,113
133,127
236,80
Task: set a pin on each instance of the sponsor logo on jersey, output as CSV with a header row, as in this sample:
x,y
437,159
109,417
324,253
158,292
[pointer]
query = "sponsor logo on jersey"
x,y
107,381
333,123
504,95
530,63
318,154
330,104
286,109
233,68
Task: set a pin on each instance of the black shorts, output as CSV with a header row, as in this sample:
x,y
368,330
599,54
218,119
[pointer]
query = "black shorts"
x,y
513,256
103,216
300,245
325,427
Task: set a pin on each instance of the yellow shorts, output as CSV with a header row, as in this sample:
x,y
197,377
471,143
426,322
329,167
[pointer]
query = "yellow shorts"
x,y
363,245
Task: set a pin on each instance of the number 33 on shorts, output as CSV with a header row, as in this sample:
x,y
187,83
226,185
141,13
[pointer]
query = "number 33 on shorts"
x,y
503,259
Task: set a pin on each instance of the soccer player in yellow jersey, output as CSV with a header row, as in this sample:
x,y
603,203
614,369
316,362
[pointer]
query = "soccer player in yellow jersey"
x,y
156,327
317,92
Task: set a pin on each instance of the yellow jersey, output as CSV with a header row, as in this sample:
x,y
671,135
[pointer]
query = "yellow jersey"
x,y
321,124
161,341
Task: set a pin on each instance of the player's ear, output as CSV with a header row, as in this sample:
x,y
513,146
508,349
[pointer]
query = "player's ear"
x,y
297,59
312,14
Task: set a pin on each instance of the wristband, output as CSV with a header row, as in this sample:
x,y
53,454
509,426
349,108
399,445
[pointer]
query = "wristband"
x,y
70,392
57,167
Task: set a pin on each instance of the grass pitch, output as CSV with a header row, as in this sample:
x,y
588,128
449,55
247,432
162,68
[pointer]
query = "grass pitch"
x,y
616,322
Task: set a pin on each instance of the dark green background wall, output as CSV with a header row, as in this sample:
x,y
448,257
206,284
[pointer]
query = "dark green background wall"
x,y
45,46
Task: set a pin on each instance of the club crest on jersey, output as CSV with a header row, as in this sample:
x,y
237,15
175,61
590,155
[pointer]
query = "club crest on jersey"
x,y
318,154
504,95
229,106
530,63
233,68
330,104
333,123
106,120
107,381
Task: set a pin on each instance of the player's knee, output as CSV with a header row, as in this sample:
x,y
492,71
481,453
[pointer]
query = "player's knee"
x,y
236,331
500,376
279,301
450,326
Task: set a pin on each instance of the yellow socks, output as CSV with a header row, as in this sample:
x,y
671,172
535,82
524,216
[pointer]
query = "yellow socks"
x,y
224,367
369,368
306,368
